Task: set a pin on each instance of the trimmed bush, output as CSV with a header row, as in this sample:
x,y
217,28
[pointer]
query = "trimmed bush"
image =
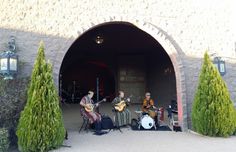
x,y
40,127
12,101
235,121
4,141
213,113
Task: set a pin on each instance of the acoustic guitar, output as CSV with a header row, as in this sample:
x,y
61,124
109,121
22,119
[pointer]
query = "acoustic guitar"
x,y
122,104
91,107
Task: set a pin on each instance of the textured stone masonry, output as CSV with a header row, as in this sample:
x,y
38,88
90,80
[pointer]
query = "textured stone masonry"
x,y
185,29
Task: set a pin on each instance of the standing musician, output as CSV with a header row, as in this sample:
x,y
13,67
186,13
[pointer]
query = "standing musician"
x,y
93,116
149,107
122,115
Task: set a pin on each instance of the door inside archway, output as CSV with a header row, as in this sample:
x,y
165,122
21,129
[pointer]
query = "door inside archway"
x,y
116,56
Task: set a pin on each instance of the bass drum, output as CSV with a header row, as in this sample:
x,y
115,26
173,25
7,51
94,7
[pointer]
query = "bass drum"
x,y
147,122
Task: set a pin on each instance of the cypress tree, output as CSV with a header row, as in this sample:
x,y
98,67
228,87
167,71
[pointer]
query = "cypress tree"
x,y
213,113
41,126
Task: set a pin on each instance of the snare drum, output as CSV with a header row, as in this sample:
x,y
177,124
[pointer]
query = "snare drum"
x,y
146,122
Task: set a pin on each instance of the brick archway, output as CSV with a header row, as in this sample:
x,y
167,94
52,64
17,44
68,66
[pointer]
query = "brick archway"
x,y
167,42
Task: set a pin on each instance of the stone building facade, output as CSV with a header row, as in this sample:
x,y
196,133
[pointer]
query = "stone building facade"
x,y
185,29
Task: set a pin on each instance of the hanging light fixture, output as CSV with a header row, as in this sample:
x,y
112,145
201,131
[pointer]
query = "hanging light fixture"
x,y
99,39
9,61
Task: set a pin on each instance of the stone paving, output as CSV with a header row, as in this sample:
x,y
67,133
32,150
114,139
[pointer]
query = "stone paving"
x,y
146,141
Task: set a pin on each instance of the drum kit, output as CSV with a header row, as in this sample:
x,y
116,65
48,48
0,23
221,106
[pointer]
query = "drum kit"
x,y
146,120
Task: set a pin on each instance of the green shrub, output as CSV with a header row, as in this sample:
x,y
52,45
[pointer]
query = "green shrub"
x,y
4,141
12,101
40,127
213,113
235,122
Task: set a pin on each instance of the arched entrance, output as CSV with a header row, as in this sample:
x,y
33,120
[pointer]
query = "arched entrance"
x,y
124,54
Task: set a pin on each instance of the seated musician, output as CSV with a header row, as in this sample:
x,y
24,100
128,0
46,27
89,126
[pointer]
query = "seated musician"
x,y
122,113
93,116
149,107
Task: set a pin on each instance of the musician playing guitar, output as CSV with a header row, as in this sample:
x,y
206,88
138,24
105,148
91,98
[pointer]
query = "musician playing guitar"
x,y
122,113
93,116
149,107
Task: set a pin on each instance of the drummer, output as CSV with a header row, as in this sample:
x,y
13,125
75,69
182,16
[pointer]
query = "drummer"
x,y
149,107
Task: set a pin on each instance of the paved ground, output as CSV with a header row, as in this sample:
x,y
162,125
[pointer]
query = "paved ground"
x,y
137,141
146,141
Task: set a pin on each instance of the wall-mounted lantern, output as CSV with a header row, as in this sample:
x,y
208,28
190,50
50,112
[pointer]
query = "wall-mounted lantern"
x,y
220,65
9,61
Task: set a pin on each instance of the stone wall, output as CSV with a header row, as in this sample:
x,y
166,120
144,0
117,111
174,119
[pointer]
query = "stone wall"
x,y
185,29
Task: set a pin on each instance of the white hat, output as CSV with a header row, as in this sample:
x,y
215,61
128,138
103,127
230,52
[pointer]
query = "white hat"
x,y
90,92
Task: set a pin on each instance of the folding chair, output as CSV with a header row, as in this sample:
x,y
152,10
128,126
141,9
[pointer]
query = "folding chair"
x,y
173,117
85,123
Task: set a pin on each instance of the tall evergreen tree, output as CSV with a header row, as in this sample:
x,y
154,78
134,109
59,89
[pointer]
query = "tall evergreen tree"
x,y
41,126
213,111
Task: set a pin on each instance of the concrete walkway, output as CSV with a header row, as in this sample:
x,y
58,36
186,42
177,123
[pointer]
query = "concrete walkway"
x,y
137,141
146,141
